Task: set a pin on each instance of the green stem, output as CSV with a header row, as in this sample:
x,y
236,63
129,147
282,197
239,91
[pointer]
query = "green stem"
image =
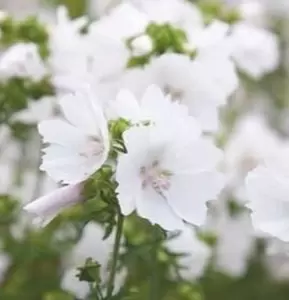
x,y
115,254
154,279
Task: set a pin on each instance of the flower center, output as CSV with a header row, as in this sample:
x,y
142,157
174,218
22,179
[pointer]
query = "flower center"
x,y
93,146
175,93
158,178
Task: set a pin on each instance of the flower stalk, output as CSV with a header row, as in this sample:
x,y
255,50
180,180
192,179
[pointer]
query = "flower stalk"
x,y
115,254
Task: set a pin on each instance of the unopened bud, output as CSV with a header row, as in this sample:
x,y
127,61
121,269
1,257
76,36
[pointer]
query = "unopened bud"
x,y
142,45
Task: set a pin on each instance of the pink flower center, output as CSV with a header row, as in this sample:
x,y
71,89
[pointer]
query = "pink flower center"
x,y
156,177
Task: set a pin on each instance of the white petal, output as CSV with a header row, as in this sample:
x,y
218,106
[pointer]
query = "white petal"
x,y
129,183
196,253
60,133
155,208
136,139
50,205
70,169
126,106
188,195
268,195
82,110
196,156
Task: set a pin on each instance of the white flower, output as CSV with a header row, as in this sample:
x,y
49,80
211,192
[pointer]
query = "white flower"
x,y
210,39
22,60
68,51
46,208
251,143
168,174
194,253
257,55
230,258
78,147
268,193
100,62
202,84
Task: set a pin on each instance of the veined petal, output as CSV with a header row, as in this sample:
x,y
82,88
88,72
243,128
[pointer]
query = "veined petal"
x,y
61,133
82,110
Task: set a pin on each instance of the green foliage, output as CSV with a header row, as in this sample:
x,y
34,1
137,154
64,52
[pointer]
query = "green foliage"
x,y
35,268
215,9
165,38
16,93
29,30
76,8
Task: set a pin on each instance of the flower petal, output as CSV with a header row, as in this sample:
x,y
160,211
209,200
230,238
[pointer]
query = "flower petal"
x,y
50,205
155,208
82,110
188,195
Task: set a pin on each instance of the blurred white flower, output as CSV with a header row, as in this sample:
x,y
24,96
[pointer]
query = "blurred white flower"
x,y
202,84
46,208
213,38
235,238
194,253
67,45
250,143
79,146
22,60
168,173
257,55
268,193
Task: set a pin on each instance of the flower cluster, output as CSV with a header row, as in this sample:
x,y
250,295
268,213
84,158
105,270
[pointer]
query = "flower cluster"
x,y
164,126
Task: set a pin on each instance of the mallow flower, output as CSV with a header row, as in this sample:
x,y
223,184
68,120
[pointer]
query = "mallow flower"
x,y
168,173
22,60
79,145
203,84
257,55
268,193
193,254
